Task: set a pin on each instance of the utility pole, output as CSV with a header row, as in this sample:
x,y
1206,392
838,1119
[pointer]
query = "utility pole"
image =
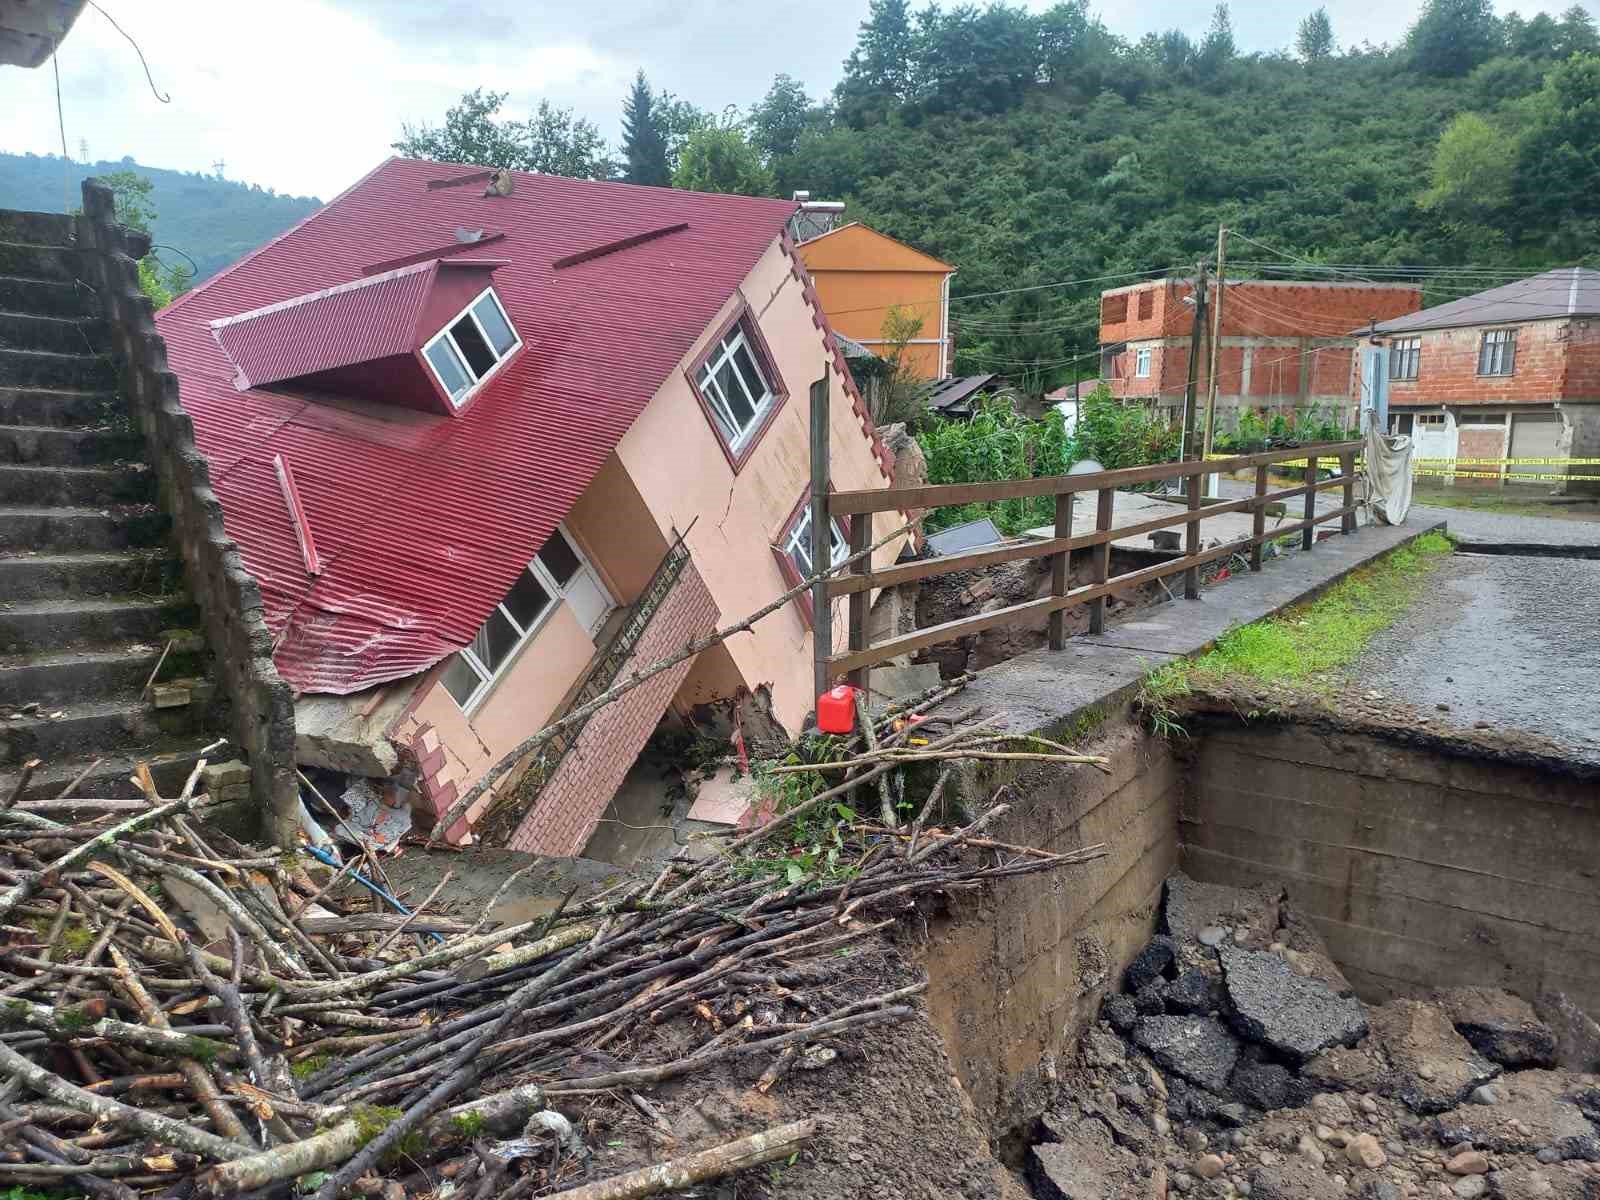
x,y
1191,407
1216,339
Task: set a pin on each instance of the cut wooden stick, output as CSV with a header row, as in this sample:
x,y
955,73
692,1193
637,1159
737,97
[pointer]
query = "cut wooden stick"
x,y
675,1173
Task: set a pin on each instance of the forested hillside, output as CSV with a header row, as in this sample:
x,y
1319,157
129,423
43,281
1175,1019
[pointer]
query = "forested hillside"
x,y
1033,147
214,221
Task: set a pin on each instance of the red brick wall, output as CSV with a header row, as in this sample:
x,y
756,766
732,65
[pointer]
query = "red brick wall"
x,y
1555,360
564,815
1480,442
1257,309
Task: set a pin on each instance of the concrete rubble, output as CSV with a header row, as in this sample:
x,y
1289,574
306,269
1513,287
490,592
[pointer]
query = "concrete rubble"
x,y
1236,1061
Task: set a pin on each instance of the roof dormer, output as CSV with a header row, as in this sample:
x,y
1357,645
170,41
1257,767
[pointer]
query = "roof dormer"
x,y
428,335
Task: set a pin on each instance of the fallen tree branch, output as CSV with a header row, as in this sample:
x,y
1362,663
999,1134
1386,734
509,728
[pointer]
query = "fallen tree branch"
x,y
675,1173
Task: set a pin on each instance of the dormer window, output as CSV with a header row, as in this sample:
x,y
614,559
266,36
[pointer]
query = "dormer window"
x,y
471,347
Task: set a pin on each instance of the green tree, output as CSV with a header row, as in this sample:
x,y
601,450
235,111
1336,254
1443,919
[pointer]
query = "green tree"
x,y
135,209
1217,49
878,73
779,119
1451,37
1472,171
1558,160
719,158
644,137
1314,41
1577,33
897,395
553,141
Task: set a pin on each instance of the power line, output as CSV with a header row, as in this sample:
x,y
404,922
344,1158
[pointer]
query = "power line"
x,y
1039,287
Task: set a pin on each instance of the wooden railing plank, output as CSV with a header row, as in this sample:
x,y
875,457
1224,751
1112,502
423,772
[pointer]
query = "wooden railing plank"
x,y
850,503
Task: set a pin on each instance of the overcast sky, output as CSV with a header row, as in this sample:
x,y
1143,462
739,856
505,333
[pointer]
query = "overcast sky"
x,y
306,95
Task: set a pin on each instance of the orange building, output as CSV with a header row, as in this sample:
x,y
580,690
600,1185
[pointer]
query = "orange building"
x,y
860,274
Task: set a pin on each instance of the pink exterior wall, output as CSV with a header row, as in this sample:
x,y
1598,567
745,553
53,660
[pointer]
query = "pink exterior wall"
x,y
677,463
460,749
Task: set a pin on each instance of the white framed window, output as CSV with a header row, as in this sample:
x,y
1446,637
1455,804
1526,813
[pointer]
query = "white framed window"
x,y
472,346
1141,363
1430,420
1497,353
1405,355
473,672
797,543
735,387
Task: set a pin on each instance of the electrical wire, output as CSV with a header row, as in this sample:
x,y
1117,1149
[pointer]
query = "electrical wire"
x,y
148,77
61,124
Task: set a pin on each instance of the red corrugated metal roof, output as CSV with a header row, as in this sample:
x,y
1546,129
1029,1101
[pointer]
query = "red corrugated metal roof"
x,y
422,521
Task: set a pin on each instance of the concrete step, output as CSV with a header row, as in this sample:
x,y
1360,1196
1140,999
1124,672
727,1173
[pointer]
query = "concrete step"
x,y
44,369
90,487
58,625
44,297
67,730
37,228
38,262
109,776
48,446
62,335
67,529
52,677
64,409
25,578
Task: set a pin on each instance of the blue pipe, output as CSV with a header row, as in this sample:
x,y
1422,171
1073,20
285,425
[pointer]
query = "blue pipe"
x,y
377,890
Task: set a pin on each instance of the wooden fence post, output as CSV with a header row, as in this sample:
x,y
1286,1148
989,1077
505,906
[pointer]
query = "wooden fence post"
x,y
1347,468
821,542
1061,571
1308,535
1191,540
1258,530
1105,514
860,539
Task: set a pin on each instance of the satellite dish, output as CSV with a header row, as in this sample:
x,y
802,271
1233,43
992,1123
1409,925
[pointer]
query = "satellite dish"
x,y
1085,466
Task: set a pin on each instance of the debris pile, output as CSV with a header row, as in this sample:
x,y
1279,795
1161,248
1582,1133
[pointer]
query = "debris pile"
x,y
1237,1061
186,1015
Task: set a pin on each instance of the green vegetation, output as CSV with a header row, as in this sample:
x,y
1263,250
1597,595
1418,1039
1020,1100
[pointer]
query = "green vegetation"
x,y
998,443
213,221
1305,646
373,1119
306,1067
552,140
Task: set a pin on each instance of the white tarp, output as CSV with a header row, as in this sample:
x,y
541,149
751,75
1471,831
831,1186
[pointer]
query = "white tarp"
x,y
1388,477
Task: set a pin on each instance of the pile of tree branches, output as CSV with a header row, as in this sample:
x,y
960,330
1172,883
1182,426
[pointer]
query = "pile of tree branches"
x,y
183,1015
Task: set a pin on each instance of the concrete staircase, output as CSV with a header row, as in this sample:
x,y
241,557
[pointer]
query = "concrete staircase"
x,y
91,593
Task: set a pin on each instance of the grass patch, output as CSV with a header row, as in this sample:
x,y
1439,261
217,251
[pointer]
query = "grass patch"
x,y
1305,646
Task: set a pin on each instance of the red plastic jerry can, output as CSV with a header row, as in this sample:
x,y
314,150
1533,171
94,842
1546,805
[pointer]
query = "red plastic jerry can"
x,y
836,709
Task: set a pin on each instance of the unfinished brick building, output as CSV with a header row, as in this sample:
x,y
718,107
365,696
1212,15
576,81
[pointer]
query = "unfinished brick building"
x,y
1508,373
1286,346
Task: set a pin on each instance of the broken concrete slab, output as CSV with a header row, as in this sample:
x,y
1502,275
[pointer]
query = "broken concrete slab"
x,y
1577,1034
1195,992
1085,1164
1432,1067
1264,1085
1500,1026
1197,1048
1294,1015
1149,965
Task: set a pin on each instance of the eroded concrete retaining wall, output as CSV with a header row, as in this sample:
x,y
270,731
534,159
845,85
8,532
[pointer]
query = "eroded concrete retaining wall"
x,y
1017,971
1421,868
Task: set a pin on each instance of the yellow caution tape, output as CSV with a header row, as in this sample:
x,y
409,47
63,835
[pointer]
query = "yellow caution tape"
x,y
1542,478
1512,462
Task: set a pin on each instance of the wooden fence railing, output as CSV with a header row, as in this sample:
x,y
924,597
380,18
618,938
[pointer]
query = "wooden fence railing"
x,y
862,580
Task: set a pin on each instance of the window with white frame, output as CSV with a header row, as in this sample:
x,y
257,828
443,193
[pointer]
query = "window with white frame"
x,y
797,543
1430,420
1141,363
735,387
471,347
1497,353
1405,355
531,600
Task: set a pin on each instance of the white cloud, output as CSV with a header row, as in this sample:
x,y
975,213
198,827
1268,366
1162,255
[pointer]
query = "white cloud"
x,y
306,95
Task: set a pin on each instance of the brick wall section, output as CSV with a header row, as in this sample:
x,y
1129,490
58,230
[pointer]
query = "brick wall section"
x,y
1258,309
1555,360
564,815
261,703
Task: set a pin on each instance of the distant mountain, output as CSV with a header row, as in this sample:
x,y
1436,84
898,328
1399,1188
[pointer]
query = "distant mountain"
x,y
214,221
